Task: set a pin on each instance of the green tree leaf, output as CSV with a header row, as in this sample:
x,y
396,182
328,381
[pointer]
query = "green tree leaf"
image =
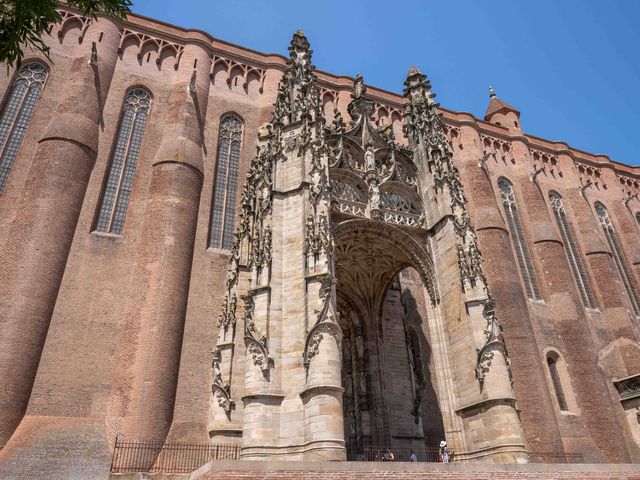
x,y
24,23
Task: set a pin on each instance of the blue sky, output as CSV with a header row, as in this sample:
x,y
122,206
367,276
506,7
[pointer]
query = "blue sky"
x,y
572,67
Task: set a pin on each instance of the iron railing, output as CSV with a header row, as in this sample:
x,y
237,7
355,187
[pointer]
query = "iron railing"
x,y
150,457
129,457
386,454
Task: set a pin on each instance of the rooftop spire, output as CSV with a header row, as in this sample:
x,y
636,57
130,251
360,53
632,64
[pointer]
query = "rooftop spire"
x,y
297,92
498,111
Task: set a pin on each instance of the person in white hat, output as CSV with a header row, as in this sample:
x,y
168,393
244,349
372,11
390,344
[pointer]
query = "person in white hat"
x,y
443,454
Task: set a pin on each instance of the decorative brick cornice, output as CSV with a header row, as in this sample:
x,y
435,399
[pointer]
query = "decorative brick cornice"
x,y
243,70
147,43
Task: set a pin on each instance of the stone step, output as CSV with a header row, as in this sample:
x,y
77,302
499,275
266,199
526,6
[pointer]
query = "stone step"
x,y
410,471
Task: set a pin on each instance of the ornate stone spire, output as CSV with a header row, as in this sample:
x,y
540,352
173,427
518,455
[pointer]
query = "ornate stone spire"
x,y
426,132
420,113
298,94
360,108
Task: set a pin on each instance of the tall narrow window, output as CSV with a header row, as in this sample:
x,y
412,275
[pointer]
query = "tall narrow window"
x,y
557,385
572,251
519,240
638,217
619,258
123,162
223,210
17,112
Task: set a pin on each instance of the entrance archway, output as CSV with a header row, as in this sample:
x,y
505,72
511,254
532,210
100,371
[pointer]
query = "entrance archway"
x,y
390,397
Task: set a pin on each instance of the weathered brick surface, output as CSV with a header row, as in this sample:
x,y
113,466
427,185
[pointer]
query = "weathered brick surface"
x,y
102,334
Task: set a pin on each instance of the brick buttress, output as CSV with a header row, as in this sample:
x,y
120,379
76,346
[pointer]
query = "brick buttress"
x,y
37,240
532,394
568,332
156,312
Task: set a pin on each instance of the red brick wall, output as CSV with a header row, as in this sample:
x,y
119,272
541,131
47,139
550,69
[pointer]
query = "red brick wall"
x,y
63,283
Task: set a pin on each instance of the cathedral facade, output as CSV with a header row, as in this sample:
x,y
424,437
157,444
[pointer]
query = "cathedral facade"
x,y
204,243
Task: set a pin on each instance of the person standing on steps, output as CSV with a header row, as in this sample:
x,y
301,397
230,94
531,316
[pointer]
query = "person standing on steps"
x,y
443,454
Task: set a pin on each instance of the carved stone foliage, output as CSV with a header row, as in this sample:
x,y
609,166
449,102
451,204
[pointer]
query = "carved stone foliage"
x,y
146,44
426,131
220,389
365,154
318,237
470,263
494,343
298,95
227,318
325,323
297,102
236,73
255,341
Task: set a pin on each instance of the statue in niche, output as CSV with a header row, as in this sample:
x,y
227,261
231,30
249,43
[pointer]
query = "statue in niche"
x,y
374,195
369,159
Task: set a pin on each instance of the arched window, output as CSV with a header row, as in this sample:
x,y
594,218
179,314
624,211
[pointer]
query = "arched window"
x,y
117,190
618,257
223,210
572,251
16,114
519,240
552,363
638,217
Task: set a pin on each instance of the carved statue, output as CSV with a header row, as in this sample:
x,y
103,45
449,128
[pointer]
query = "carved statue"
x,y
369,159
374,195
358,87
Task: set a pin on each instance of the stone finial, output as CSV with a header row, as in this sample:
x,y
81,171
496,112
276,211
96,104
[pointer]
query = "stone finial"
x,y
299,45
492,92
413,70
359,107
359,88
416,80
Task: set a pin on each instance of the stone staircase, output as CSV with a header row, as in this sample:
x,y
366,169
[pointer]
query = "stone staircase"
x,y
278,470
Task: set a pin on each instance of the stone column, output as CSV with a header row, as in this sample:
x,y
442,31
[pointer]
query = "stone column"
x,y
322,395
160,285
37,241
529,381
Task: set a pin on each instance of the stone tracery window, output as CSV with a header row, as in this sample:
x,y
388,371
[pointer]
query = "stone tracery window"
x,y
117,190
618,257
519,240
573,254
223,209
17,112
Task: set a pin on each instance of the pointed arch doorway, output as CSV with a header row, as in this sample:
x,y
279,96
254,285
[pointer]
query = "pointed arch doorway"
x,y
390,398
